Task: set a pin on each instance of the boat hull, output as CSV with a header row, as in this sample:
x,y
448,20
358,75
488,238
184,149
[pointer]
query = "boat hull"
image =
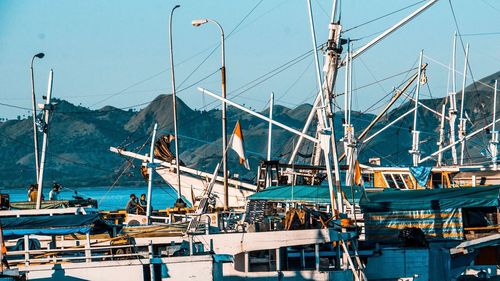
x,y
171,268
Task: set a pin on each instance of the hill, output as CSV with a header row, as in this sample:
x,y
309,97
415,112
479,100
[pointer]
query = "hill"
x,y
79,138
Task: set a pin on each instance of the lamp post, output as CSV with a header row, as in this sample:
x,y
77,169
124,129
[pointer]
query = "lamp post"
x,y
179,203
196,23
35,134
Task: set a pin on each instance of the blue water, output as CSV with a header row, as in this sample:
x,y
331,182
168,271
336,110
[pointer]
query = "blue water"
x,y
107,198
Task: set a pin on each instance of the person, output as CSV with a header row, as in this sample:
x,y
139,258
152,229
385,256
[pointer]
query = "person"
x,y
76,196
54,193
142,201
4,256
30,190
34,193
131,207
143,204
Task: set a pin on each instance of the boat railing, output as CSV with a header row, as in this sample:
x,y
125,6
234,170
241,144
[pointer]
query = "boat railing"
x,y
51,212
74,254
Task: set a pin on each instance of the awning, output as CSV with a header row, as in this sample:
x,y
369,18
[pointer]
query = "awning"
x,y
430,199
312,194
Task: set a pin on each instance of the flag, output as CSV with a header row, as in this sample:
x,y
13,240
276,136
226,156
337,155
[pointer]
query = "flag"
x,y
238,145
358,178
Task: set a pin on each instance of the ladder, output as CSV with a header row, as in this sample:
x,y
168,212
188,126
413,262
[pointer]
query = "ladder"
x,y
268,174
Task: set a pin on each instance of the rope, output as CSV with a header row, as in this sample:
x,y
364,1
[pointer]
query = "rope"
x,y
383,16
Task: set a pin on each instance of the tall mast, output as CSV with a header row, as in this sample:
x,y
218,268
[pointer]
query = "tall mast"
x,y
441,135
270,130
349,139
331,64
179,202
454,64
151,165
462,131
33,100
325,132
349,54
494,132
346,87
452,95
415,133
47,108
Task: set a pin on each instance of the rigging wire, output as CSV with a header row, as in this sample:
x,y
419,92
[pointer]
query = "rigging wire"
x,y
383,16
491,6
462,43
15,106
463,48
218,45
481,34
294,82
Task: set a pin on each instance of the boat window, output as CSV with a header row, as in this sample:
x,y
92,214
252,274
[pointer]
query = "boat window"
x,y
437,180
390,180
400,181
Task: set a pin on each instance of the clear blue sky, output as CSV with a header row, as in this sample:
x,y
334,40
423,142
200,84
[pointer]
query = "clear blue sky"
x,y
116,52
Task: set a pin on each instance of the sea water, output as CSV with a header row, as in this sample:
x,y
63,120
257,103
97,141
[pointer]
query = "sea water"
x,y
108,198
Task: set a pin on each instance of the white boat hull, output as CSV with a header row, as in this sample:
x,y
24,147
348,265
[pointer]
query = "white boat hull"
x,y
194,182
171,268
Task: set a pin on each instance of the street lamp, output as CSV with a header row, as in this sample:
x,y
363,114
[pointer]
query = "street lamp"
x,y
35,134
179,203
196,23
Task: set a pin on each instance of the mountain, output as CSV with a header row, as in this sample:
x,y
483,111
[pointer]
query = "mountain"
x,y
79,138
395,142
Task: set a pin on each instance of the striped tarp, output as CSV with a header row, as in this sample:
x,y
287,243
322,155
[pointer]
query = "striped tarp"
x,y
435,224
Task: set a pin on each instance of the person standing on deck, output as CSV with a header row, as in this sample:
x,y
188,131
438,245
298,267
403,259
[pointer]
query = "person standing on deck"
x,y
4,256
54,193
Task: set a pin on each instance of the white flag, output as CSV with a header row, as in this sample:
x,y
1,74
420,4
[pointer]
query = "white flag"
x,y
238,145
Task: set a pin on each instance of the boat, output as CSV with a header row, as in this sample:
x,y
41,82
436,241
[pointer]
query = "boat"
x,y
299,222
194,182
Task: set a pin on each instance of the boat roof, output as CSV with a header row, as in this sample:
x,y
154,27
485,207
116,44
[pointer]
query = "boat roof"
x,y
396,169
430,199
312,194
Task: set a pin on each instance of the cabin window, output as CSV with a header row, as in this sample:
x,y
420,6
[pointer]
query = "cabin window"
x,y
390,180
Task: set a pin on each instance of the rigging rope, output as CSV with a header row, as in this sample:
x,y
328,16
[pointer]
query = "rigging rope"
x,y
384,16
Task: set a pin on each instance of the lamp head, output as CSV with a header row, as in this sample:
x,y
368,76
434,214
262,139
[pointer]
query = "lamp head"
x,y
40,55
199,22
177,6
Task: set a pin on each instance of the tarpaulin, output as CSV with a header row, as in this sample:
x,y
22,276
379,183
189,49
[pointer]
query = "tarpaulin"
x,y
305,193
49,225
435,224
430,199
421,174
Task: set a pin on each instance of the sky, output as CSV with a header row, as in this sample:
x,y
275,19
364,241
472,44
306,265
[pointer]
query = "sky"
x,y
116,52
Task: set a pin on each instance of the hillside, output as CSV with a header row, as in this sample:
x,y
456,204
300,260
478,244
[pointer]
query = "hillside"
x,y
79,138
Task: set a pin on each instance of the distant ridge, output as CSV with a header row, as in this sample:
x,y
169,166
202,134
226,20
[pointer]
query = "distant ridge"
x,y
79,138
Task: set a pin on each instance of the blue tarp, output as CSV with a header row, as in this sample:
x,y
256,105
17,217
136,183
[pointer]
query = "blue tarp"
x,y
48,225
46,231
421,174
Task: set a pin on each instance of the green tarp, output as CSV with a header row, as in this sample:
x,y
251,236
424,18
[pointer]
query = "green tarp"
x,y
435,224
389,199
430,199
304,193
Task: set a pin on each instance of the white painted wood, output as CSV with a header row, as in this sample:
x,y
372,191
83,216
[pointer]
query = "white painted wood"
x,y
198,181
198,268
